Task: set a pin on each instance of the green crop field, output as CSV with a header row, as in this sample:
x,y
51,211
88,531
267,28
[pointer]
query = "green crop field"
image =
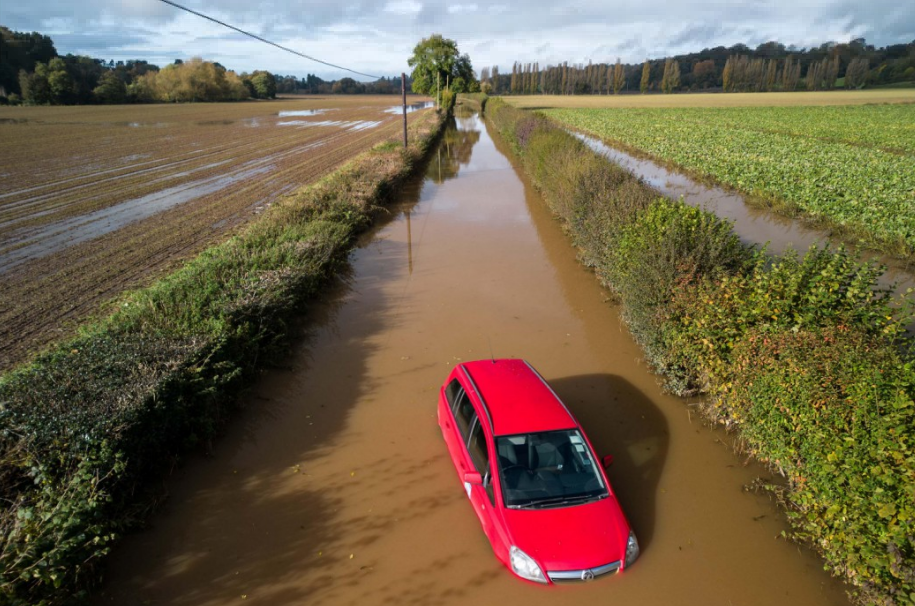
x,y
852,167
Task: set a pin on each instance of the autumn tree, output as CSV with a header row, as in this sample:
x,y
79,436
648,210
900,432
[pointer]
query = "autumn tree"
x,y
619,77
646,77
670,81
856,73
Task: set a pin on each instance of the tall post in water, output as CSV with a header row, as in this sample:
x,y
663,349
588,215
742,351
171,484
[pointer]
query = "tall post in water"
x,y
403,92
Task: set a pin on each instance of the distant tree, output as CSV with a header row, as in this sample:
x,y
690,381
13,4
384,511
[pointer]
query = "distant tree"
x,y
262,84
619,77
495,80
63,89
646,77
856,73
704,74
437,59
791,73
771,74
111,89
21,51
670,82
35,87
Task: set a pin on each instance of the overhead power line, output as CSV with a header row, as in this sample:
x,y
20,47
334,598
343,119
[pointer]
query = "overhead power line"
x,y
256,37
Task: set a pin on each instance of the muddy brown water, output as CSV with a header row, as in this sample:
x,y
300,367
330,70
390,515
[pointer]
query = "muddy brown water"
x,y
334,486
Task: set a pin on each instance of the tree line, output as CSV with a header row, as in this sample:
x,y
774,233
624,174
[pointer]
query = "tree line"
x,y
769,67
32,72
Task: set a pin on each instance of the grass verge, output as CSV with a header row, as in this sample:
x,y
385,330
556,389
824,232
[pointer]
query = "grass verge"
x,y
805,356
87,427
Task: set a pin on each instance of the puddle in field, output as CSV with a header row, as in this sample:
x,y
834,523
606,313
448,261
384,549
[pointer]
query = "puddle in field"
x,y
411,107
355,125
32,243
333,485
303,112
752,225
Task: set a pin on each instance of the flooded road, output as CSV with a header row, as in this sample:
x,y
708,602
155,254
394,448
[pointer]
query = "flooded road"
x,y
752,225
334,485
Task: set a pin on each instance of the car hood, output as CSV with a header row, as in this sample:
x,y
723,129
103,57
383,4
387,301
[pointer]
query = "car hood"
x,y
571,538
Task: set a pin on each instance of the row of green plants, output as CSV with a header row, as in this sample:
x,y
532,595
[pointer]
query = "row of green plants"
x,y
88,427
804,356
846,181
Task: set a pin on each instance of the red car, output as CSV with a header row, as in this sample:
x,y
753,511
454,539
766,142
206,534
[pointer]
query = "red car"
x,y
531,474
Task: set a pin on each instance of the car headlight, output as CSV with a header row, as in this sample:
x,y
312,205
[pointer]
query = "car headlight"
x,y
524,566
632,549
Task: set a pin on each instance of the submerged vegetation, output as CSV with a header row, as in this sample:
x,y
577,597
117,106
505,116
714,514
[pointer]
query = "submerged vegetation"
x,y
850,167
803,355
87,428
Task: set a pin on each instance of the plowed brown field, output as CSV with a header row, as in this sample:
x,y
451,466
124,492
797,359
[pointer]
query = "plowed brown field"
x,y
96,200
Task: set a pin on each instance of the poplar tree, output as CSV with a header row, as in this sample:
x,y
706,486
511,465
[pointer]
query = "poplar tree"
x,y
646,77
671,78
727,76
619,77
856,73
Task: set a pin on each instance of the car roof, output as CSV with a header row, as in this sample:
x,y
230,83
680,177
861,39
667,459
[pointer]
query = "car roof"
x,y
518,399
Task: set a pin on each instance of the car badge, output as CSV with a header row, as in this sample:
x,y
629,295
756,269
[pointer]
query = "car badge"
x,y
587,575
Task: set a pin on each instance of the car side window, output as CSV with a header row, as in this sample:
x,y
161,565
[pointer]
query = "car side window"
x,y
464,414
479,454
452,393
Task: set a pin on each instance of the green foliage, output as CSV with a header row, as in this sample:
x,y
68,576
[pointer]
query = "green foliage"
x,y
665,249
87,428
111,89
832,409
261,84
805,356
436,63
850,167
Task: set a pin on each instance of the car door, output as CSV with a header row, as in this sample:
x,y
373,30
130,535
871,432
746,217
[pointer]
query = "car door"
x,y
482,496
455,422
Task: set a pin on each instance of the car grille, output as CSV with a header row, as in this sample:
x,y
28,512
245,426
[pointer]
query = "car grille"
x,y
559,576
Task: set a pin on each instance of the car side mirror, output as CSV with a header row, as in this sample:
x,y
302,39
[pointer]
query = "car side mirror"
x,y
472,477
607,461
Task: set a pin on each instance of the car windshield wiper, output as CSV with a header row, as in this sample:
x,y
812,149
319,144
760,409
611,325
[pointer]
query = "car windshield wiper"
x,y
563,500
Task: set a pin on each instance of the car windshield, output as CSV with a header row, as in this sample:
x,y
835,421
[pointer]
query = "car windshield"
x,y
548,469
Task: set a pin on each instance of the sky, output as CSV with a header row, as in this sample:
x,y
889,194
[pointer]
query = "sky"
x,y
377,37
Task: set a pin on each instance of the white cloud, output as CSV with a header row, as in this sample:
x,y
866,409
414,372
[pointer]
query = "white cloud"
x,y
378,37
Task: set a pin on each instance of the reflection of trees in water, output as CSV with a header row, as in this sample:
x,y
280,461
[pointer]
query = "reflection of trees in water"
x,y
453,152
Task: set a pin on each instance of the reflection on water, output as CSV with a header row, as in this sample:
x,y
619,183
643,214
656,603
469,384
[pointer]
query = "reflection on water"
x,y
412,107
302,112
455,149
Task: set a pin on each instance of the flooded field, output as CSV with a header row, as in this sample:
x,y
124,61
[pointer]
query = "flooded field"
x,y
753,225
95,200
334,486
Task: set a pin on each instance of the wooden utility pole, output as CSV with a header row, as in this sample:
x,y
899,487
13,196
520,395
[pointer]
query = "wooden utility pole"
x,y
403,92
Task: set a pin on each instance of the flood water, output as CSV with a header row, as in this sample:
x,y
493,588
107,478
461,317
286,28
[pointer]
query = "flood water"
x,y
753,225
333,485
